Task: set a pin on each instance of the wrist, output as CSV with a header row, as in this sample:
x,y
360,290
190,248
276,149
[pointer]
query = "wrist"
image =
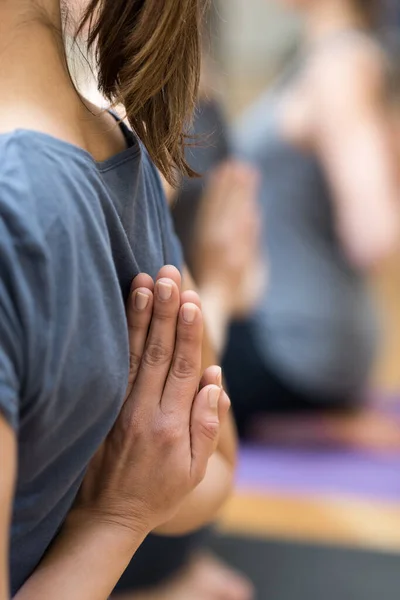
x,y
86,559
124,535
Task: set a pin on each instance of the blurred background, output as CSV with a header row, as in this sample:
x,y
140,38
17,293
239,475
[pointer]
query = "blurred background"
x,y
311,517
250,44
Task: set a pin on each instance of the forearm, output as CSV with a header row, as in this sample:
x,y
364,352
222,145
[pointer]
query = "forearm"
x,y
85,562
202,505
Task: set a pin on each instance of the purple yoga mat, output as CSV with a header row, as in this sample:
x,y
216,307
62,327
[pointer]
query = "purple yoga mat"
x,y
320,472
333,472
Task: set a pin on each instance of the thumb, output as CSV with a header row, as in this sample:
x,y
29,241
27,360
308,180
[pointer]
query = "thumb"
x,y
213,375
204,429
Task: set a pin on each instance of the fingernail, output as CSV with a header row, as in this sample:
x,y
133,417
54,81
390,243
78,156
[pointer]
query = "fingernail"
x,y
189,313
141,300
219,376
213,397
164,290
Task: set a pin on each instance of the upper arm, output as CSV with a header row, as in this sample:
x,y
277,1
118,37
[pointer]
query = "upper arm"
x,y
9,413
351,133
10,376
7,478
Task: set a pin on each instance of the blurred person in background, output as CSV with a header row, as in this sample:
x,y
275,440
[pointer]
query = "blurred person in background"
x,y
216,216
329,199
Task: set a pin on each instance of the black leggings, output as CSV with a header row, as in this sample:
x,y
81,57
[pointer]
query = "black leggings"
x,y
255,388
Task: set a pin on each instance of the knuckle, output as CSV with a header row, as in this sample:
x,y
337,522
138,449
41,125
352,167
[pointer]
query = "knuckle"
x,y
134,326
168,432
165,313
209,429
134,361
130,424
156,354
191,332
183,367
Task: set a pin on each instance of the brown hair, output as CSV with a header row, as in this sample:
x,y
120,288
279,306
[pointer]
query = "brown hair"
x,y
148,59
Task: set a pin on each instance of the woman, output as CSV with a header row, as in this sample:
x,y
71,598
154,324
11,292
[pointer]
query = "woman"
x,y
329,197
82,213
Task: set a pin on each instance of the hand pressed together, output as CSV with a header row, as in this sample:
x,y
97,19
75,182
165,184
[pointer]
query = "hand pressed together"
x,y
169,425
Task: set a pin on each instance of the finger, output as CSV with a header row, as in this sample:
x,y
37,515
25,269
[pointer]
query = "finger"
x,y
205,429
142,280
213,376
184,375
170,272
190,296
139,313
224,406
160,343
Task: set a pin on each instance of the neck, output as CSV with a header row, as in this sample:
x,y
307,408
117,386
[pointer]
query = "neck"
x,y
330,16
34,76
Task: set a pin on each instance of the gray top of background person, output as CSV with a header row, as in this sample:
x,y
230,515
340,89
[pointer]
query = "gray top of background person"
x,y
316,325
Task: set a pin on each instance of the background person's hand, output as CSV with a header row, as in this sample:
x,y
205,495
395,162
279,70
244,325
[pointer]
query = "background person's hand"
x,y
226,247
159,448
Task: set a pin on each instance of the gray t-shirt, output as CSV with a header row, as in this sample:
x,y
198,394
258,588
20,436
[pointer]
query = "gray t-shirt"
x,y
73,234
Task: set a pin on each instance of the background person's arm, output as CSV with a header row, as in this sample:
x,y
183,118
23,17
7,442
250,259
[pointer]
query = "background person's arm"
x,y
352,135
